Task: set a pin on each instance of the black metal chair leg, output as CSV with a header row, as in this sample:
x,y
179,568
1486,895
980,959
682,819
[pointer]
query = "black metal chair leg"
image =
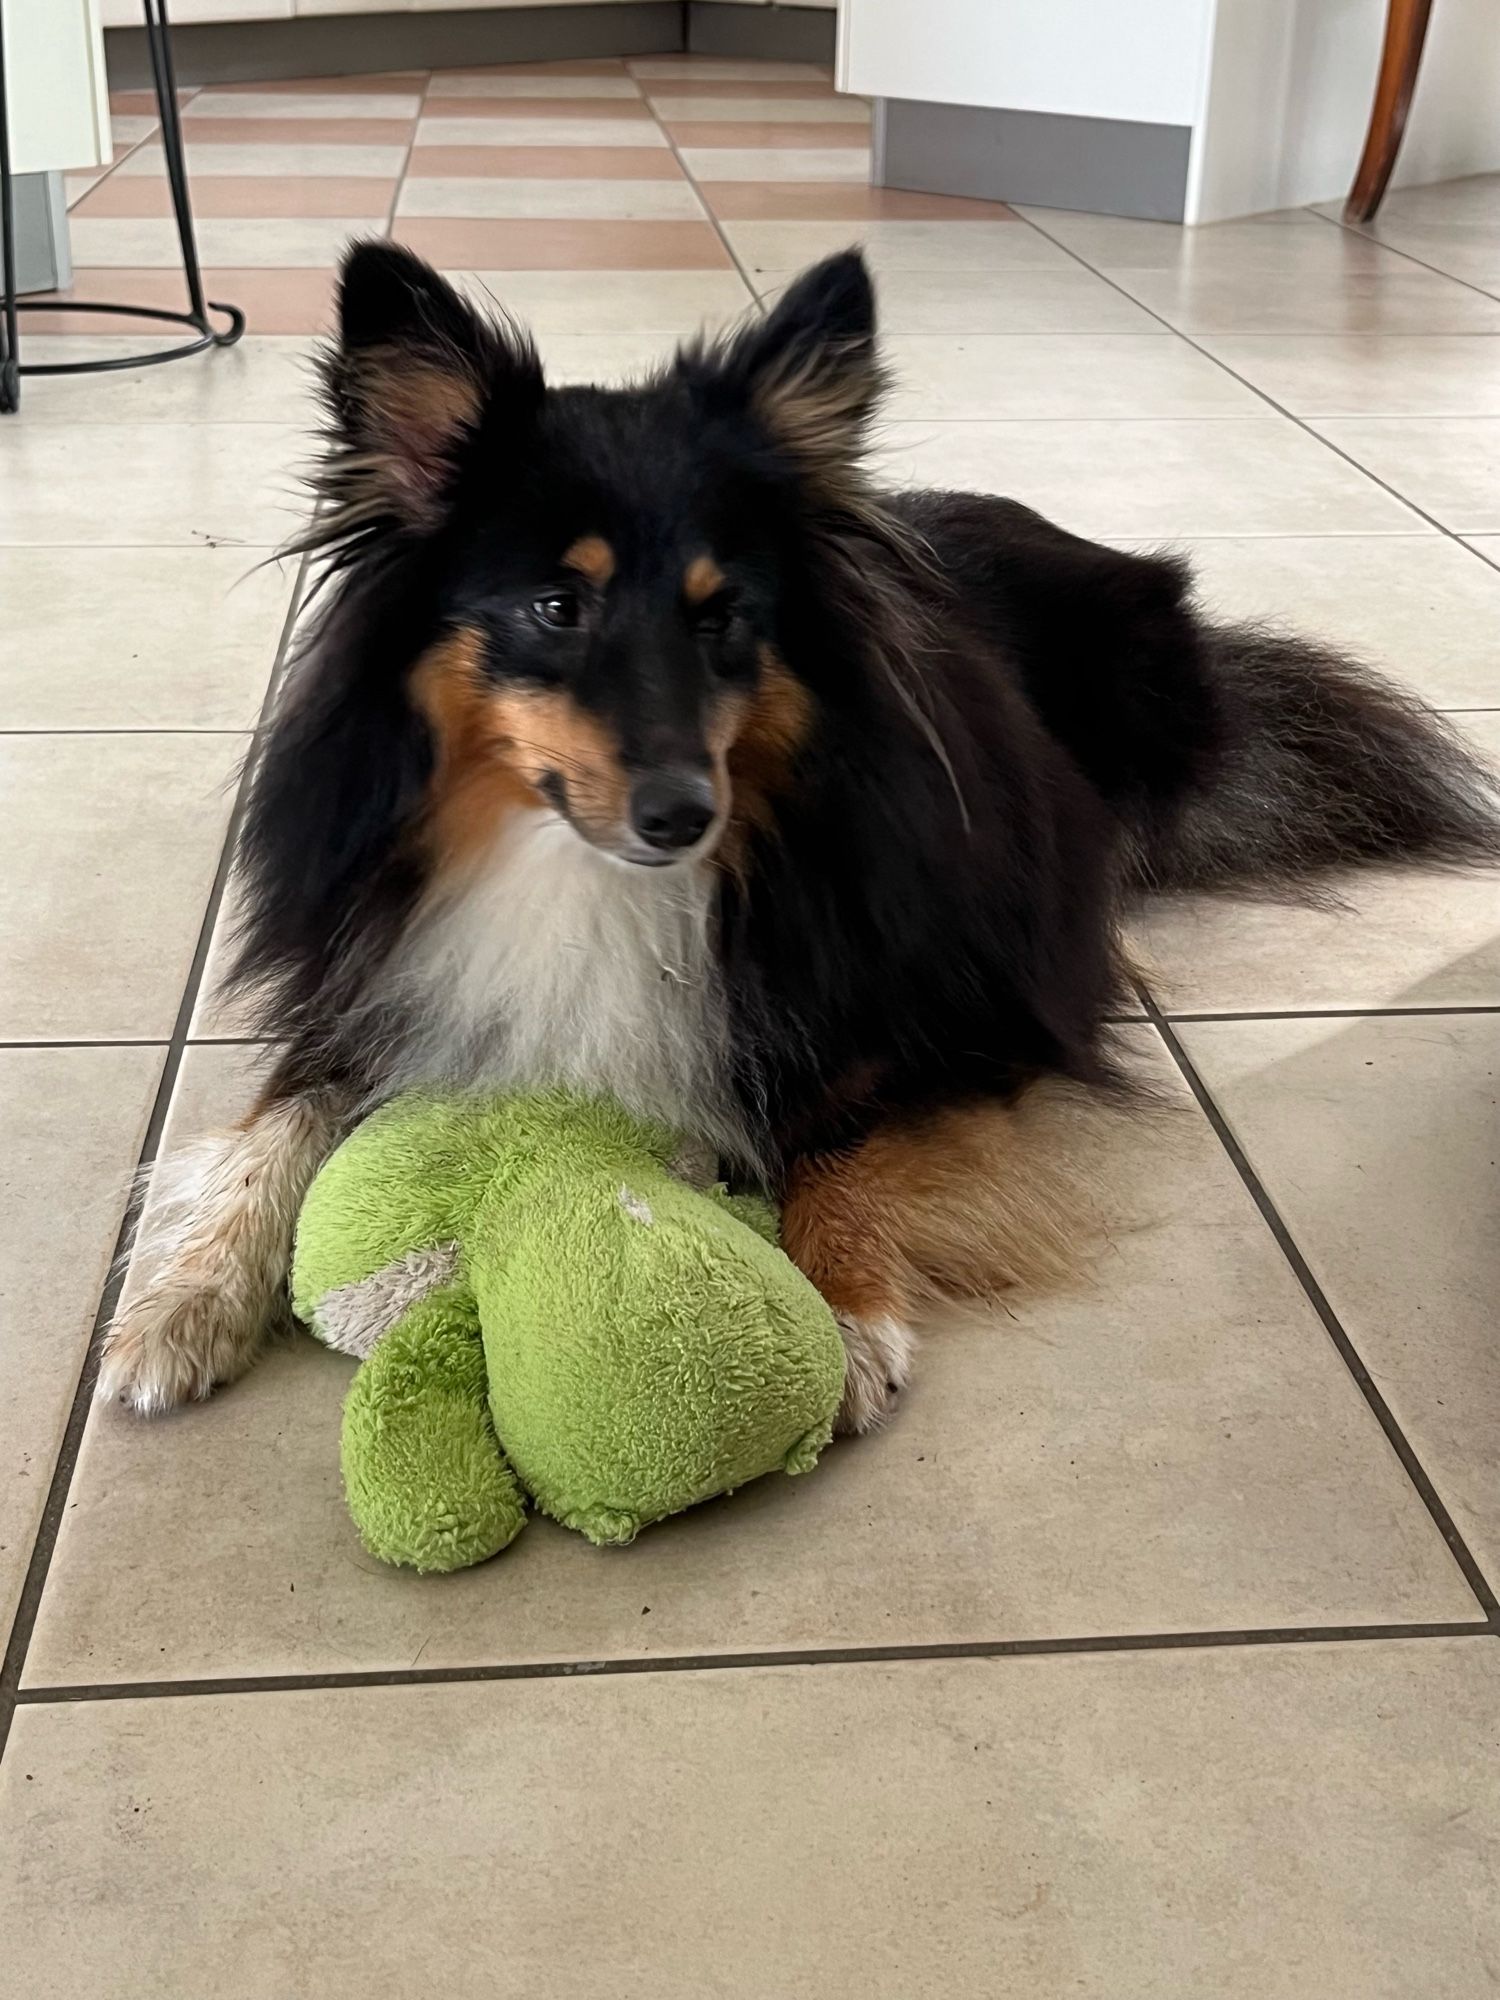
x,y
12,368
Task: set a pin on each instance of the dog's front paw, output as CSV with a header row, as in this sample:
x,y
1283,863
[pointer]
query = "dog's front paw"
x,y
877,1366
167,1348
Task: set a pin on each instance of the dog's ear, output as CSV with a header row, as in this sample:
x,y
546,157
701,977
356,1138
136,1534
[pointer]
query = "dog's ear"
x,y
810,371
414,372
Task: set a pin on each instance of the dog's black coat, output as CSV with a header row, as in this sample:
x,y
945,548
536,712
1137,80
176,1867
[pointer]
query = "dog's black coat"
x,y
1014,730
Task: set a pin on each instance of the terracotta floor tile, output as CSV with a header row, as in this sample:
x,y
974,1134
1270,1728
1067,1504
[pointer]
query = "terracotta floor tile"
x,y
530,245
141,103
243,194
742,132
298,131
273,299
838,201
625,109
545,163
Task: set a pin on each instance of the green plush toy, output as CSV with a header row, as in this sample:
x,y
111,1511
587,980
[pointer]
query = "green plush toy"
x,y
543,1308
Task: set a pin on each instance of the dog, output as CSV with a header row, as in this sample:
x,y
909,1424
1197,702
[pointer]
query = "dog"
x,y
641,745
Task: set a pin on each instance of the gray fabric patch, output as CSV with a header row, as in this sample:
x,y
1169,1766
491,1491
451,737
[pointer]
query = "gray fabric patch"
x,y
353,1317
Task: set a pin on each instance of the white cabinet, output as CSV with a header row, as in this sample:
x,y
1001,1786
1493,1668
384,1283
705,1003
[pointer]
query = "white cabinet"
x,y
128,14
58,95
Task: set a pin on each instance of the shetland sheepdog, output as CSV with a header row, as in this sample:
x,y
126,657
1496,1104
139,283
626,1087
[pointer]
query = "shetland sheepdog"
x,y
641,745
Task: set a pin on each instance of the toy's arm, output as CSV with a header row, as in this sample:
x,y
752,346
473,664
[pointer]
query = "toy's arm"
x,y
425,1477
752,1209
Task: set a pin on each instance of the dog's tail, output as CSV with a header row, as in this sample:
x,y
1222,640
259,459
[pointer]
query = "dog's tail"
x,y
1321,764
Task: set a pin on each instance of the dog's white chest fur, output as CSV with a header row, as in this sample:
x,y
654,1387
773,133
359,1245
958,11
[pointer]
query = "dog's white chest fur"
x,y
555,964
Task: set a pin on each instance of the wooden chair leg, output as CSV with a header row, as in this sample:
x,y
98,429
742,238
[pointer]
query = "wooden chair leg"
x,y
1405,32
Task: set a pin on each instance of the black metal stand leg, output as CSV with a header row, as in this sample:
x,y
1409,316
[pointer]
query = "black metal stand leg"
x,y
163,70
159,41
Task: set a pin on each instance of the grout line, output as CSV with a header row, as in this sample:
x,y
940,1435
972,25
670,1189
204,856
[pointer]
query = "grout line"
x,y
13,1664
405,169
1332,1013
1365,235
717,226
808,1656
1452,534
1415,1471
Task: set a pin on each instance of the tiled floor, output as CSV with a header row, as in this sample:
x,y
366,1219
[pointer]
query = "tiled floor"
x,y
1152,1651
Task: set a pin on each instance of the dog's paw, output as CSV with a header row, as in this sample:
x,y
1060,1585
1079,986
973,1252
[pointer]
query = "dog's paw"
x,y
162,1351
877,1365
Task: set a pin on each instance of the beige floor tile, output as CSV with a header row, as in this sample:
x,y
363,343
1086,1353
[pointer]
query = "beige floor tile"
x,y
995,302
1419,606
1466,250
1152,479
719,69
207,483
263,195
896,246
316,160
71,1123
1336,375
1176,1447
777,163
158,639
1376,1139
1487,546
764,110
1257,1825
1404,938
1448,465
517,131
630,201
578,303
263,378
110,844
1002,375
1474,199
1286,241
1397,297
144,242
330,103
489,83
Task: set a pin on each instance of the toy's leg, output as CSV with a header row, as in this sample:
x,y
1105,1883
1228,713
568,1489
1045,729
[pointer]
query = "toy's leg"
x,y
426,1480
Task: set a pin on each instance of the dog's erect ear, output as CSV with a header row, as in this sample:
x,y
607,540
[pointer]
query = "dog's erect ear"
x,y
413,374
810,371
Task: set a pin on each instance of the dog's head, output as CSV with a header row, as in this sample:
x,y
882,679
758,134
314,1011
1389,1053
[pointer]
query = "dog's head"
x,y
610,570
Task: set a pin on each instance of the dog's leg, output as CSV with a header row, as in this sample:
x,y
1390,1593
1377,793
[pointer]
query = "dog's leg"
x,y
215,1251
961,1203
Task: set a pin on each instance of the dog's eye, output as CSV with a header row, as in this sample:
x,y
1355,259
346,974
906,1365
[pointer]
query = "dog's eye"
x,y
559,609
712,619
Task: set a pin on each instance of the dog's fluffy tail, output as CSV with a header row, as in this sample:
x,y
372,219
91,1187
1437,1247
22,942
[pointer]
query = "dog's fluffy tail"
x,y
1321,765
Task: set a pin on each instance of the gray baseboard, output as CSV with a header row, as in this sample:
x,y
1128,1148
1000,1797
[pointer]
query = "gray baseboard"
x,y
355,44
41,210
775,34
1105,165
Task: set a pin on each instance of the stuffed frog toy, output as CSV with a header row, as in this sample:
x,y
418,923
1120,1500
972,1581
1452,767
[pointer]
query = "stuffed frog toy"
x,y
545,1311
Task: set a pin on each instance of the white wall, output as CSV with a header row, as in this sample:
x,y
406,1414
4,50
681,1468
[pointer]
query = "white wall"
x,y
1135,59
57,93
1290,88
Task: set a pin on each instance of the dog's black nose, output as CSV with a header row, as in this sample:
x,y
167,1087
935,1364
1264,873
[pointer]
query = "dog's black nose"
x,y
672,809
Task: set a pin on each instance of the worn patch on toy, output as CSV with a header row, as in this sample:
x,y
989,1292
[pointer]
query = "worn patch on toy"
x,y
636,1206
352,1318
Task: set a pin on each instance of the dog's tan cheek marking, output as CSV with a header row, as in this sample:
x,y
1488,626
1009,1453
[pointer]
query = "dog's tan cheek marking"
x,y
768,730
476,781
549,733
591,557
701,580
